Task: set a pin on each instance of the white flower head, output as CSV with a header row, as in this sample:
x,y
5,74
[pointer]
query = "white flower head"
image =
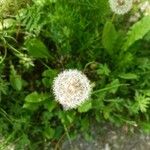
x,y
120,6
71,88
145,8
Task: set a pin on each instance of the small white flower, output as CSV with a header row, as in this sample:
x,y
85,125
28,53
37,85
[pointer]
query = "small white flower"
x,y
120,6
71,88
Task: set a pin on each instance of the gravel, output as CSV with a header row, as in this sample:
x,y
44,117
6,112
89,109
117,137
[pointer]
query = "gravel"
x,y
108,137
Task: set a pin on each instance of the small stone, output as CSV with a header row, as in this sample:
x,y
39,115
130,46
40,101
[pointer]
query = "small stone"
x,y
107,147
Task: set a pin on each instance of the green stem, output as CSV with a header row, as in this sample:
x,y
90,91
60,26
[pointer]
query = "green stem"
x,y
5,54
107,88
68,136
113,17
45,64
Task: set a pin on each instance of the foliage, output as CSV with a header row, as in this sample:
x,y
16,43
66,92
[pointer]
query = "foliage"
x,y
137,32
39,39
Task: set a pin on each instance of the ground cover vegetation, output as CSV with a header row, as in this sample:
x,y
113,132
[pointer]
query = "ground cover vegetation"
x,y
41,38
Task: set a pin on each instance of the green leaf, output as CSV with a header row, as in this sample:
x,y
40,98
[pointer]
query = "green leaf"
x,y
16,82
141,103
48,77
85,123
24,140
36,48
47,82
85,107
147,92
49,132
106,113
103,70
113,86
103,7
128,76
145,126
137,31
50,73
50,105
15,79
36,97
109,37
31,106
66,117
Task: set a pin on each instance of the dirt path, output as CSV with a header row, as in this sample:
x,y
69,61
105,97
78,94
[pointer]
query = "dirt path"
x,y
110,138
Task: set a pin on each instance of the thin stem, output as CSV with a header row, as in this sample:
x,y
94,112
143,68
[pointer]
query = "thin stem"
x,y
4,145
5,54
0,90
5,115
45,64
113,17
107,88
12,48
68,136
57,144
9,46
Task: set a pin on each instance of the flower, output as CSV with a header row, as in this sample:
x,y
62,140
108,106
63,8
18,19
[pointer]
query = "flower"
x,y
120,6
71,88
145,8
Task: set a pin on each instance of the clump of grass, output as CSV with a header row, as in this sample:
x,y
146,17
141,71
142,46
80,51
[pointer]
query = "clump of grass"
x,y
49,36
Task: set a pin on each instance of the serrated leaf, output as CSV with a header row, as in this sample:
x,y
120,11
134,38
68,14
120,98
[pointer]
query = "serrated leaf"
x,y
85,107
137,31
128,76
103,70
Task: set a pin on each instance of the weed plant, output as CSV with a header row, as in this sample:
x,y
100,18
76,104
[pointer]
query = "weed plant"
x,y
41,38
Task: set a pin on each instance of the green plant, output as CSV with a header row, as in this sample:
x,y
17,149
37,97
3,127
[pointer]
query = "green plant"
x,y
45,37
